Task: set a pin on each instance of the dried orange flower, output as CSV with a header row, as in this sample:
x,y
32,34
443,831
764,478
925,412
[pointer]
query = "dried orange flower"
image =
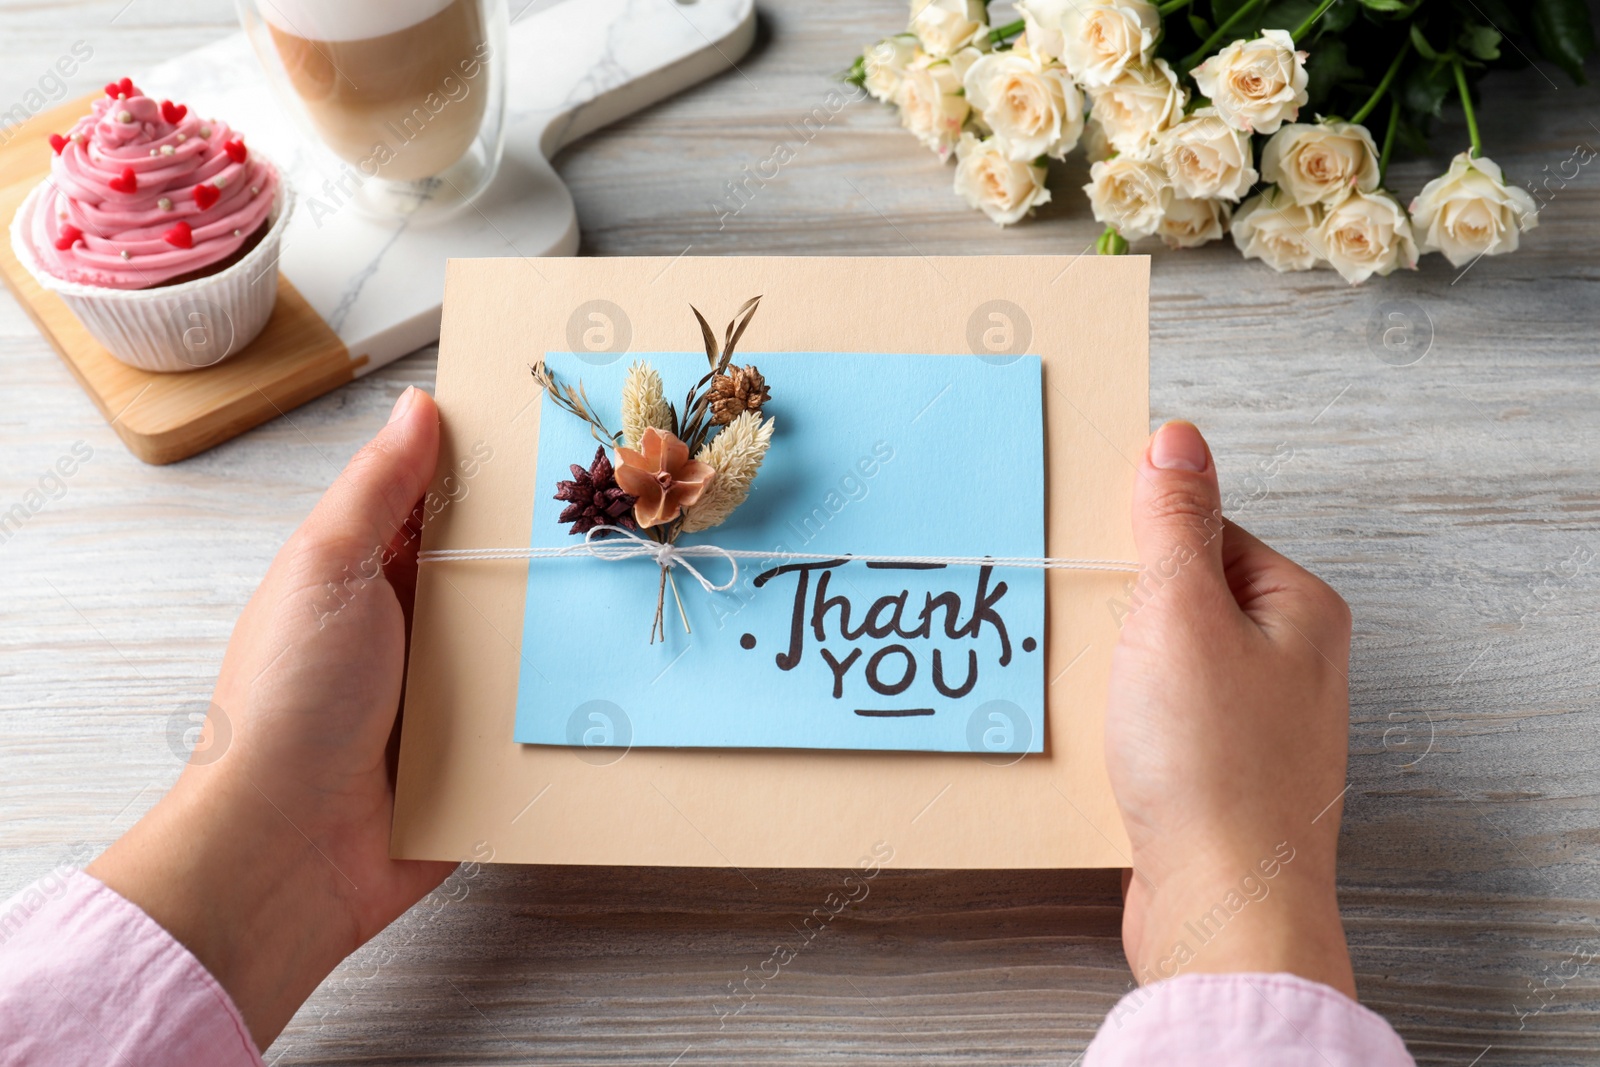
x,y
662,476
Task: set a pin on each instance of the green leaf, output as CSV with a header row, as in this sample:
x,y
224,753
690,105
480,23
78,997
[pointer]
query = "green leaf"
x,y
1500,14
1562,30
1480,41
1411,139
1420,43
1287,14
1278,14
1331,70
1396,8
1339,17
1427,86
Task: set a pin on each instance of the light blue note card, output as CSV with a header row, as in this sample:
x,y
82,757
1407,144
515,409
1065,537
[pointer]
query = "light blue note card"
x,y
892,455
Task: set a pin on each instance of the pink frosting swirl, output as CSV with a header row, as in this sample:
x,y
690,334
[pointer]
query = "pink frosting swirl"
x,y
139,194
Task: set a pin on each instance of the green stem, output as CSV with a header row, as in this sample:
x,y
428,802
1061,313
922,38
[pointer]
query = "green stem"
x,y
1466,106
1321,10
1193,59
1388,139
1000,33
1383,86
1172,6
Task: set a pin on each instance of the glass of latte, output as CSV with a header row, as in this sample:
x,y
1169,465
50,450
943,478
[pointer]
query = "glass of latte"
x,y
409,94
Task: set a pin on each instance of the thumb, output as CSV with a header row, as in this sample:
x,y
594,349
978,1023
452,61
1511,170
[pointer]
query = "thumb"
x,y
1177,510
370,501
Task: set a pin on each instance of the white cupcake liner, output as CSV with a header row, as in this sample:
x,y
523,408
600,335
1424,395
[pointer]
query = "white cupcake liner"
x,y
175,327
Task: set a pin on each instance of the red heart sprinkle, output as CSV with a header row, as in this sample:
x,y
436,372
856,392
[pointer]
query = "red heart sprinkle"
x,y
235,149
180,236
173,113
124,87
126,182
206,195
58,142
70,235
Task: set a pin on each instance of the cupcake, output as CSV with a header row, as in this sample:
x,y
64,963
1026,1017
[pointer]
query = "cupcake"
x,y
159,229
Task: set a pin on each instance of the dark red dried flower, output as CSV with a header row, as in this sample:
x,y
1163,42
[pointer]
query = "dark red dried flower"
x,y
593,498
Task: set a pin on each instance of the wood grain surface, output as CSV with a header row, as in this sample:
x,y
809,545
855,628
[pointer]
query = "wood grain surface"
x,y
1445,499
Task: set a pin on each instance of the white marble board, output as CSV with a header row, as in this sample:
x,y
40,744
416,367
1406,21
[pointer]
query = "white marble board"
x,y
574,67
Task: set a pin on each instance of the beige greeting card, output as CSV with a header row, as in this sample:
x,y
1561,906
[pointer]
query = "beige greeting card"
x,y
862,658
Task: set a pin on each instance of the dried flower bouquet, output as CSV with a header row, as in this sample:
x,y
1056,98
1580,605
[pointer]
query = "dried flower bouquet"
x,y
676,470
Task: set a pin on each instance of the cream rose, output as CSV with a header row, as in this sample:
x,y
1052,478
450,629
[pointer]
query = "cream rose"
x,y
1469,211
933,104
946,26
1041,20
1280,233
1366,234
1034,109
1189,223
1129,193
1206,158
1102,38
1320,164
885,64
1000,187
1096,39
1141,103
1256,85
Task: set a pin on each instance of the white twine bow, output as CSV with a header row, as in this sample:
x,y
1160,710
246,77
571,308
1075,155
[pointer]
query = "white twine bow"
x,y
630,545
667,555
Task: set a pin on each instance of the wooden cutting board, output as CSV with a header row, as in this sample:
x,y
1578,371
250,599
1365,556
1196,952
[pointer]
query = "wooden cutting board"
x,y
354,294
167,417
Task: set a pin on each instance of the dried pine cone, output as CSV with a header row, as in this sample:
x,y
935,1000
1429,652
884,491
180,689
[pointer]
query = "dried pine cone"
x,y
594,499
740,390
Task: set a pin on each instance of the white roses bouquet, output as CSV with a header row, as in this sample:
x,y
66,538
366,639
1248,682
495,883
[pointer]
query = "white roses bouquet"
x,y
1190,114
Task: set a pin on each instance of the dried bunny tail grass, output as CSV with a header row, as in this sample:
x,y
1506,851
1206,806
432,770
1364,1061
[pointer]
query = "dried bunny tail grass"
x,y
644,403
736,453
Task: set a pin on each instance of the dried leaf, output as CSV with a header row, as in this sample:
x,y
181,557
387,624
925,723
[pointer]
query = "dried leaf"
x,y
741,319
572,401
711,338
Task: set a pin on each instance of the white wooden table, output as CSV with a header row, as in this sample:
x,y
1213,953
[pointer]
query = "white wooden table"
x,y
1444,499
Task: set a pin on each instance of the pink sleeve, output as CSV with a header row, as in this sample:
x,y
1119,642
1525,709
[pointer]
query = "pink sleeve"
x,y
1280,1020
87,977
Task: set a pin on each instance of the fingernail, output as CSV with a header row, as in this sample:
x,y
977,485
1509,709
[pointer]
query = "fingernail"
x,y
403,405
1178,446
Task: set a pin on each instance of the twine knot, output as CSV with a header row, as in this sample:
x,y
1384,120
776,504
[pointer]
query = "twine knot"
x,y
629,545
